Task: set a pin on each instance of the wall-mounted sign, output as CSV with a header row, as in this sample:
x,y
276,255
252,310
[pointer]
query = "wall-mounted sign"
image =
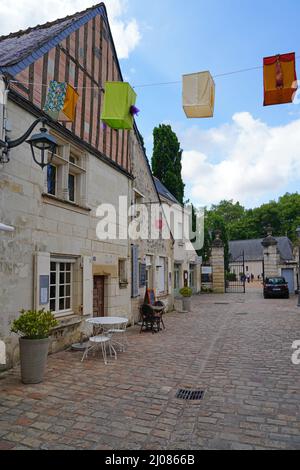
x,y
44,290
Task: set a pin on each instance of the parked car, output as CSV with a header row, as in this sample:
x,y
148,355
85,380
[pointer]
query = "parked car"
x,y
276,287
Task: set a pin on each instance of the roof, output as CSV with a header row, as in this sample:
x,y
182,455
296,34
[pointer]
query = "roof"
x,y
19,50
164,192
253,249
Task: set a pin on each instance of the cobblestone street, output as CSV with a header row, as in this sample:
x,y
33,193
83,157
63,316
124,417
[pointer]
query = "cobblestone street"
x,y
236,348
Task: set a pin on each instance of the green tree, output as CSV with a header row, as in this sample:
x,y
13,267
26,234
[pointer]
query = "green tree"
x,y
244,224
166,160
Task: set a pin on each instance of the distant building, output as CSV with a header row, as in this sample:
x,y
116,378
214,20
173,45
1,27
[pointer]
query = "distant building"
x,y
254,258
186,261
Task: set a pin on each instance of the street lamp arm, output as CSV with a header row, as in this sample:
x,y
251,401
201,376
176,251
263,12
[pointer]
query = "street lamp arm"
x,y
15,143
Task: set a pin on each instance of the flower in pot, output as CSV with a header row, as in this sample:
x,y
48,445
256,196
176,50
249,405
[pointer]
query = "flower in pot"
x,y
34,327
186,293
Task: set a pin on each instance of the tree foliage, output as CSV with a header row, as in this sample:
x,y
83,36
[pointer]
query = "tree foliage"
x,y
244,224
238,223
166,160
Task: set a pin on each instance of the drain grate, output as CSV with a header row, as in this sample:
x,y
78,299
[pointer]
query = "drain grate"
x,y
184,394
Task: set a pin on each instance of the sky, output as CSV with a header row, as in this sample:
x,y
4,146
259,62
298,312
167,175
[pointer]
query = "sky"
x,y
246,152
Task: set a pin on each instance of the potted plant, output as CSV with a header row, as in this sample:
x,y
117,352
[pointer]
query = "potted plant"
x,y
34,326
186,293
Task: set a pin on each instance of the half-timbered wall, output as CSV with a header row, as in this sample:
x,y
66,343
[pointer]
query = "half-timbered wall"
x,y
85,59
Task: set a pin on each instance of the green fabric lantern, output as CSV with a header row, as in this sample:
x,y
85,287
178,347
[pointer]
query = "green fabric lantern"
x,y
119,97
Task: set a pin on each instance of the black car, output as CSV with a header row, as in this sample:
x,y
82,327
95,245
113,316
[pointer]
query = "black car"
x,y
276,287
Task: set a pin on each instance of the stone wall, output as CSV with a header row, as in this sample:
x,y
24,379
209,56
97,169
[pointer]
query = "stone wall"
x,y
44,224
217,262
143,182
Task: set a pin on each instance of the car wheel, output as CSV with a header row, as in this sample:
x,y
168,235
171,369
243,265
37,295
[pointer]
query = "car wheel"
x,y
266,296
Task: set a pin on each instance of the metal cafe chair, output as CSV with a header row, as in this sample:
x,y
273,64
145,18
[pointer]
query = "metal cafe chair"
x,y
119,332
100,341
150,320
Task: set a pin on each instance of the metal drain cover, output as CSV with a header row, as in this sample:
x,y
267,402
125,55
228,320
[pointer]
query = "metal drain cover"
x,y
184,394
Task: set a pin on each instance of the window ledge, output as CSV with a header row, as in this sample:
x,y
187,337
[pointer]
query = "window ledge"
x,y
65,322
50,199
123,285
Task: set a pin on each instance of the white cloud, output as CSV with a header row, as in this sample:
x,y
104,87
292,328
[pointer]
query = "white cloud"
x,y
253,160
24,13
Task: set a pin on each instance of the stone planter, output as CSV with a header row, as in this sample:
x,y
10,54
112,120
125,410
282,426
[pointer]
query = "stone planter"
x,y
186,302
33,355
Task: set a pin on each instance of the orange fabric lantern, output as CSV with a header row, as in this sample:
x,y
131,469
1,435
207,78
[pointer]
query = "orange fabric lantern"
x,y
280,79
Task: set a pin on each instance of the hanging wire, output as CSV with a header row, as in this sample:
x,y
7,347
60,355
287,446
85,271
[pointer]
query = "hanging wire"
x,y
147,85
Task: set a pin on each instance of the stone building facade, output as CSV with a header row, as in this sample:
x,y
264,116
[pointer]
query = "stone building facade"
x,y
55,259
187,264
155,257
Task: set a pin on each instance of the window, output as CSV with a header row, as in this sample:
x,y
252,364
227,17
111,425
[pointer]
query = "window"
x,y
60,287
72,187
192,276
51,179
123,272
177,270
143,275
149,272
66,174
161,276
138,200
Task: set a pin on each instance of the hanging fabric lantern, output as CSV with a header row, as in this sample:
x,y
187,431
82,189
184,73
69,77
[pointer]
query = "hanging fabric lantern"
x,y
280,79
61,101
198,95
119,105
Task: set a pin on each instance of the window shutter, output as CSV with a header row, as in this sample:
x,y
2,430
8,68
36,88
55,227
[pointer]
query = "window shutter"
x,y
42,268
87,284
135,271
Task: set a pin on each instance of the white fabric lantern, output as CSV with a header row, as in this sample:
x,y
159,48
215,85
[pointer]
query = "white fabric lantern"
x,y
198,95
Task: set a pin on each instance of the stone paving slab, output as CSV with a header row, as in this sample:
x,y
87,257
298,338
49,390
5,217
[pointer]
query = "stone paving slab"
x,y
236,348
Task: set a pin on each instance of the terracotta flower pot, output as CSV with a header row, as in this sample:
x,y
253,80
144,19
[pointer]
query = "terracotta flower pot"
x,y
33,355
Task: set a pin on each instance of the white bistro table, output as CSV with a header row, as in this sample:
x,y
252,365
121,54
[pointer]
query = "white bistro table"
x,y
111,326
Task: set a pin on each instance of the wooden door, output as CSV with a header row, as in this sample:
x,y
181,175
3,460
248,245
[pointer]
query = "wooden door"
x,y
98,298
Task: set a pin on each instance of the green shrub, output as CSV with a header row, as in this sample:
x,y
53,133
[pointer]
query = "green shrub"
x,y
186,292
34,324
207,290
231,277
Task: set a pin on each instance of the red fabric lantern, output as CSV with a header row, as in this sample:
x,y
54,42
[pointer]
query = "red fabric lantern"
x,y
280,79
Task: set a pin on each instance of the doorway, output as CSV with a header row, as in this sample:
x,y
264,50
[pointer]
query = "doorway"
x,y
98,296
288,274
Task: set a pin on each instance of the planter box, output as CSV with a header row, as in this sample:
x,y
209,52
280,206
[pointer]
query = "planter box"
x,y
33,355
178,305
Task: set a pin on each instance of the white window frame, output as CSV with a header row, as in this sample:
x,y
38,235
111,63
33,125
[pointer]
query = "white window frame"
x,y
64,168
58,261
122,267
161,273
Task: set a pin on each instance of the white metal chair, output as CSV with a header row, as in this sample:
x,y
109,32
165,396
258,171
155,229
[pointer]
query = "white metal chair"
x,y
120,332
102,340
